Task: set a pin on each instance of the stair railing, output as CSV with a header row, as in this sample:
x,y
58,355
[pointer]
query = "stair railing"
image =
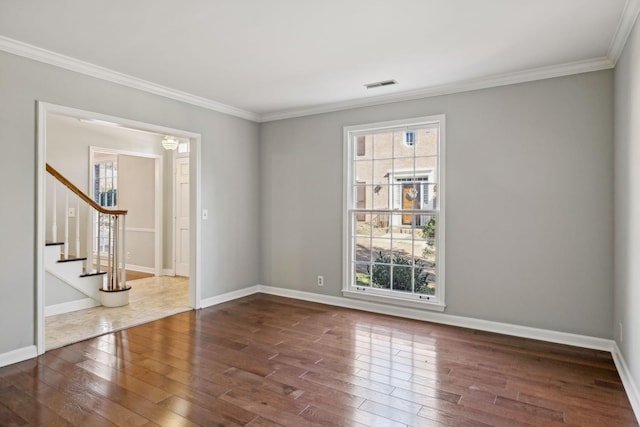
x,y
115,230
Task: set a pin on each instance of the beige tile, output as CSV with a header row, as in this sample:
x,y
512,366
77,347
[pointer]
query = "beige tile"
x,y
150,299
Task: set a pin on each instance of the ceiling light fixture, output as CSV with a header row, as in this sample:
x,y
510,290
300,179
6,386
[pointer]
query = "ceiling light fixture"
x,y
381,84
170,142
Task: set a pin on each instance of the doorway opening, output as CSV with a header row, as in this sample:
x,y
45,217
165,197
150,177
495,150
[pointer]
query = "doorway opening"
x,y
120,172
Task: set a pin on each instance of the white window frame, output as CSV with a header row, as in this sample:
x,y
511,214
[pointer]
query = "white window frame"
x,y
435,302
113,159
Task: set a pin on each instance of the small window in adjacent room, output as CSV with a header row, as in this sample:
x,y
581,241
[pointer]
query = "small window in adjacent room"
x,y
394,212
409,138
183,147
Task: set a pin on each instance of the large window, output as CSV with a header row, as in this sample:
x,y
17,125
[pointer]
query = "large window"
x,y
394,212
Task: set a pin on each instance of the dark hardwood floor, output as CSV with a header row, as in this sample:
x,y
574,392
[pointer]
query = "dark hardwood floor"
x,y
265,360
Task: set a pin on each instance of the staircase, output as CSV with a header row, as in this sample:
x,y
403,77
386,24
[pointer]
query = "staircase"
x,y
70,280
72,271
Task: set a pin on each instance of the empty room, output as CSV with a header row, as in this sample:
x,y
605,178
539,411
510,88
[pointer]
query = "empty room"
x,y
408,213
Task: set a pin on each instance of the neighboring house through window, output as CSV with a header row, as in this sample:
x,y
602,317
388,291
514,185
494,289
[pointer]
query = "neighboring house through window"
x,y
394,213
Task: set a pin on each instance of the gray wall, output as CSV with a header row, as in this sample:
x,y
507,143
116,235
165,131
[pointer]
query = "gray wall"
x,y
627,204
229,162
59,292
529,201
138,197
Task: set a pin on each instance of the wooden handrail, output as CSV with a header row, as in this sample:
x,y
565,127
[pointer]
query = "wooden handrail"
x,y
57,175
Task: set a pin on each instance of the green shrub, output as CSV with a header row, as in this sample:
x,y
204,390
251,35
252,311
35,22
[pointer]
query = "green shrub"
x,y
402,268
429,230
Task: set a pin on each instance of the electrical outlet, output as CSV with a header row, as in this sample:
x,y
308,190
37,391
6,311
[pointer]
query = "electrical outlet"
x,y
320,281
128,256
72,213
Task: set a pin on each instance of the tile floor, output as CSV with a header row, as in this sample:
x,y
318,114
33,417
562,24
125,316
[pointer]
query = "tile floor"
x,y
150,299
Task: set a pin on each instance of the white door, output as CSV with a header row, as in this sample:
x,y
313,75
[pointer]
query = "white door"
x,y
182,217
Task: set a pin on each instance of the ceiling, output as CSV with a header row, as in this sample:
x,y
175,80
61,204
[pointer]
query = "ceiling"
x,y
270,59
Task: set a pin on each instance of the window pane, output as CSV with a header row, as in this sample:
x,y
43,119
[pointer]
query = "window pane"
x,y
382,169
380,224
380,196
381,249
403,167
427,142
362,275
363,147
381,276
362,227
402,278
426,167
363,170
404,144
362,248
382,146
396,222
425,281
362,197
427,196
401,248
424,254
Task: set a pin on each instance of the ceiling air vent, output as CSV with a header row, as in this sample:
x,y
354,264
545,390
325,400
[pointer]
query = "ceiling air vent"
x,y
381,84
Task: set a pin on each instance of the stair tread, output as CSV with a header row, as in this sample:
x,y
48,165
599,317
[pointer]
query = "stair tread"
x,y
49,243
93,273
71,259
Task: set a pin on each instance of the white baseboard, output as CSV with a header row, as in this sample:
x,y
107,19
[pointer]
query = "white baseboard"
x,y
141,268
15,356
630,386
68,307
168,272
229,296
448,319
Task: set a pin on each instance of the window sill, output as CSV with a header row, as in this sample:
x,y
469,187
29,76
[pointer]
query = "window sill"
x,y
402,302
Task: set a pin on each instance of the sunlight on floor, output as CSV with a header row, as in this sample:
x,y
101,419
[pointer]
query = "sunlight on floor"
x,y
150,299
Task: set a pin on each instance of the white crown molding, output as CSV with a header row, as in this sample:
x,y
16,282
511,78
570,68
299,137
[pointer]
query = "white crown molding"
x,y
48,57
633,391
625,26
542,73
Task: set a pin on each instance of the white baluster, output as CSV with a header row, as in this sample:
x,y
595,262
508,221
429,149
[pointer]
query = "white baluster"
x,y
88,242
54,213
123,280
98,267
116,278
109,258
77,227
66,224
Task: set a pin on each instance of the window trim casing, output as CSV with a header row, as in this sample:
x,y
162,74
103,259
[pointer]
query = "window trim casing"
x,y
347,194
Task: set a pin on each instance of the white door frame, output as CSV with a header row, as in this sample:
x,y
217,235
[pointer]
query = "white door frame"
x,y
195,202
157,209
